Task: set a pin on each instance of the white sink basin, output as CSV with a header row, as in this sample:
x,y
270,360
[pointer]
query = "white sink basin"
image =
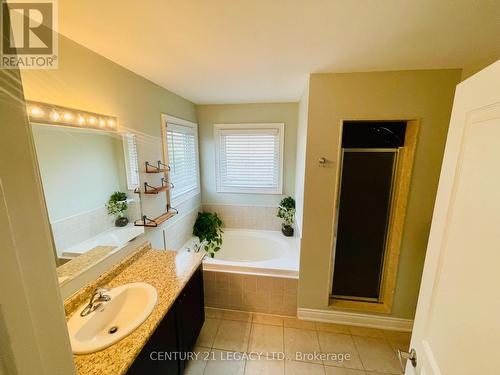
x,y
129,307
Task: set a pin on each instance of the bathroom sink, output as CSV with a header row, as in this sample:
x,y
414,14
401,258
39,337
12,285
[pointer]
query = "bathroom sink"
x,y
129,307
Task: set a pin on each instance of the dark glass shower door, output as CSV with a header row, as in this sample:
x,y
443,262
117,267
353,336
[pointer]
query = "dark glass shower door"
x,y
367,179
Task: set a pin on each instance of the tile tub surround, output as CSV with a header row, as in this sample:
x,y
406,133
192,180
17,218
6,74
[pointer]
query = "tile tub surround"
x,y
180,231
167,271
246,217
226,332
265,294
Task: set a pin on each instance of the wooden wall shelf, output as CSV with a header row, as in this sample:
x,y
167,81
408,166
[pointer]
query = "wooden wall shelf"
x,y
159,168
151,223
148,189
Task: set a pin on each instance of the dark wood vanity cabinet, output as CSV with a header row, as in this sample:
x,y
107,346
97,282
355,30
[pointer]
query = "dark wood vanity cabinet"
x,y
164,353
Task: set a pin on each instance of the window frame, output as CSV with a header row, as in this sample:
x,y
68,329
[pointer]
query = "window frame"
x,y
128,168
280,127
165,121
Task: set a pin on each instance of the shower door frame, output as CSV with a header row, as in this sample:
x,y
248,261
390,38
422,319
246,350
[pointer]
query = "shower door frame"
x,y
397,220
396,152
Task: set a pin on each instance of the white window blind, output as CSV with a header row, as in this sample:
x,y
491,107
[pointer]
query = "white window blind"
x,y
182,146
249,158
131,161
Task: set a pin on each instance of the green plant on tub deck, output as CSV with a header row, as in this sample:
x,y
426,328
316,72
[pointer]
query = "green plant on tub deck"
x,y
207,228
286,211
117,205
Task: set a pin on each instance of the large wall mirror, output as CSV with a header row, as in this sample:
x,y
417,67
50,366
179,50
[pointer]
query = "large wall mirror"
x,y
89,173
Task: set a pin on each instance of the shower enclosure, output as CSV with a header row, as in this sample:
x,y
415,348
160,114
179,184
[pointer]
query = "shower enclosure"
x,y
368,176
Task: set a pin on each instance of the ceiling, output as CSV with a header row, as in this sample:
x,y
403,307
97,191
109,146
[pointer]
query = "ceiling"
x,y
237,51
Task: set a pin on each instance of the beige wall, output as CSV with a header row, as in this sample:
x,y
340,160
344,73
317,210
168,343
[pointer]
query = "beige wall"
x,y
424,95
300,162
208,115
33,336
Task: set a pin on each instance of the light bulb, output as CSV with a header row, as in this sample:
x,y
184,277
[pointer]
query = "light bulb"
x,y
68,116
55,116
92,120
81,120
102,123
35,111
111,123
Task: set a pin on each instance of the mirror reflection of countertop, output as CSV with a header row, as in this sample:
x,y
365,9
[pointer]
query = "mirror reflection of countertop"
x,y
81,263
167,271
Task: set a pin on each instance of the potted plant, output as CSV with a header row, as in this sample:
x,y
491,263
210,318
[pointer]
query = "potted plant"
x,y
207,228
117,205
286,211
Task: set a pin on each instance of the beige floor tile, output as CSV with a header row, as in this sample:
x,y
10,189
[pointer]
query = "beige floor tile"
x,y
197,366
268,319
340,345
210,312
208,332
266,338
377,355
330,370
366,332
403,345
398,340
237,315
219,365
397,335
232,335
332,327
265,367
297,323
303,368
300,341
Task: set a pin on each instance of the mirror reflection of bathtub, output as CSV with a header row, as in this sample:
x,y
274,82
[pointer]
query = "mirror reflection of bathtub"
x,y
256,270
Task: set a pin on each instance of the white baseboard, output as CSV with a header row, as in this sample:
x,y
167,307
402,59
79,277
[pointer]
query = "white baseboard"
x,y
356,319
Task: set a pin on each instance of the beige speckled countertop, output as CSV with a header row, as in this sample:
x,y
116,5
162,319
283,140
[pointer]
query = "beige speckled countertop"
x,y
82,262
167,271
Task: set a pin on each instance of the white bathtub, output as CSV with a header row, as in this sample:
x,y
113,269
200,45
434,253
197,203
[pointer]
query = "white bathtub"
x,y
256,252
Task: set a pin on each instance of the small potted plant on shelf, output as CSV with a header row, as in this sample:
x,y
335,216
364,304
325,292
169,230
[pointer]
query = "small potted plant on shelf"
x,y
207,228
117,205
286,211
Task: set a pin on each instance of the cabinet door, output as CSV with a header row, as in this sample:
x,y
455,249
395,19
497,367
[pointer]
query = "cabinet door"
x,y
190,311
153,360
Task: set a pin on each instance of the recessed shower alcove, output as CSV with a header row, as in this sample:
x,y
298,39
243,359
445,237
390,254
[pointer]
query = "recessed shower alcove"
x,y
376,158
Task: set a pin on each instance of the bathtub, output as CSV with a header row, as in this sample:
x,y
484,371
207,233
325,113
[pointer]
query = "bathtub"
x,y
255,252
255,270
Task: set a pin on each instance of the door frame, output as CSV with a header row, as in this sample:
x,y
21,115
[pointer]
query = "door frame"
x,y
396,223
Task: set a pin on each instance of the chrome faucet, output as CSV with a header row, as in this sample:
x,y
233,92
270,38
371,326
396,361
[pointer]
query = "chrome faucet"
x,y
98,297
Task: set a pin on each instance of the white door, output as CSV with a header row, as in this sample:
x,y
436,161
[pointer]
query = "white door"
x,y
457,324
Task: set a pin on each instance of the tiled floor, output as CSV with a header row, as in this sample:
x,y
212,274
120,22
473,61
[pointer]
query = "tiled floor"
x,y
229,338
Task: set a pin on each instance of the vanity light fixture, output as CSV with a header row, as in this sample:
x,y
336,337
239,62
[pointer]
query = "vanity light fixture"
x,y
55,116
44,113
36,111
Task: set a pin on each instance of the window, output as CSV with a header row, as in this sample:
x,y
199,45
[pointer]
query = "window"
x,y
249,158
131,161
182,149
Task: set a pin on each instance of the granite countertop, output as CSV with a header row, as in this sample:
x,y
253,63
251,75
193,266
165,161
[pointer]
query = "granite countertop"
x,y
82,262
167,271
